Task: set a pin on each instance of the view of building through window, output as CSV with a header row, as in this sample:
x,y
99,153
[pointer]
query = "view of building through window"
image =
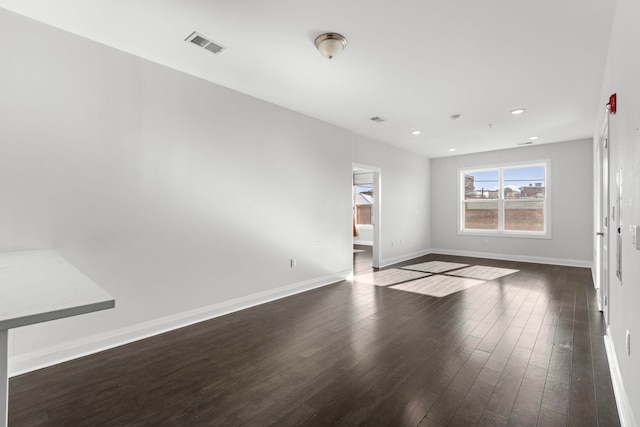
x,y
363,203
505,199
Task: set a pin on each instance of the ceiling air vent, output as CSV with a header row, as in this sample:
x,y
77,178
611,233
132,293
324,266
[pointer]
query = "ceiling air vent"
x,y
377,119
203,42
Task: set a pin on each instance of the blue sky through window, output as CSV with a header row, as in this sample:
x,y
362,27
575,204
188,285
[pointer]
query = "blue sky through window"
x,y
513,178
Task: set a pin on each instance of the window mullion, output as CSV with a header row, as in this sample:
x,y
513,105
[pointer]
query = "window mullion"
x,y
501,200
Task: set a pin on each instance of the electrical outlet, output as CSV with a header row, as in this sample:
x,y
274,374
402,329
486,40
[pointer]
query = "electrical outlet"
x,y
293,262
628,343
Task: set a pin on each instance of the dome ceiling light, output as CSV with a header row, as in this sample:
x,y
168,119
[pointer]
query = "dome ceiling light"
x,y
330,44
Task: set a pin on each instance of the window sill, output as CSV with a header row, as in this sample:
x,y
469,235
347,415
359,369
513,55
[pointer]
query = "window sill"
x,y
516,234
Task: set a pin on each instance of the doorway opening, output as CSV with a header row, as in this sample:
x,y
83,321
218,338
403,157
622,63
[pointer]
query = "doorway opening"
x,y
365,217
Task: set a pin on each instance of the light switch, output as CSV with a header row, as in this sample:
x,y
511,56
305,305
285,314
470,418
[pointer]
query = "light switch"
x,y
634,237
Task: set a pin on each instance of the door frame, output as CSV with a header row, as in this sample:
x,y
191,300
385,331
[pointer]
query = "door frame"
x,y
603,220
376,208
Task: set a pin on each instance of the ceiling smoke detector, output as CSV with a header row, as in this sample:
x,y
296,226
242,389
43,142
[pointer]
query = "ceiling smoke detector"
x,y
376,119
203,42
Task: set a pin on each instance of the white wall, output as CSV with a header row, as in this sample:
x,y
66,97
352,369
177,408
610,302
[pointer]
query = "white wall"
x,y
571,203
404,197
365,235
170,192
623,77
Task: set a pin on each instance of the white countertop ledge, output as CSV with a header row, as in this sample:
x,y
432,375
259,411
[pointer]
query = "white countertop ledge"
x,y
38,286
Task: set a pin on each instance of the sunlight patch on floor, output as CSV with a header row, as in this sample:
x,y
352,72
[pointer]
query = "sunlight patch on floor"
x,y
438,286
483,272
392,276
435,266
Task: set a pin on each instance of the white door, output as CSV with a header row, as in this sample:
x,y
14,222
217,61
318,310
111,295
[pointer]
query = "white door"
x,y
604,223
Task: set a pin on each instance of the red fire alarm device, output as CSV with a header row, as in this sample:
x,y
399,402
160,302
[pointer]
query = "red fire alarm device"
x,y
612,104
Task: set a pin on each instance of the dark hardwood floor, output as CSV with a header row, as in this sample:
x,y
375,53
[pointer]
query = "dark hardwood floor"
x,y
524,349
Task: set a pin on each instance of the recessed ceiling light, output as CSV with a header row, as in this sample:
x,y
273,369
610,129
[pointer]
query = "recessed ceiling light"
x,y
533,138
517,111
416,132
452,149
456,117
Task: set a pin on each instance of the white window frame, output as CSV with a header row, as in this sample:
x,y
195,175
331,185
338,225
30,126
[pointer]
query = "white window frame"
x,y
501,232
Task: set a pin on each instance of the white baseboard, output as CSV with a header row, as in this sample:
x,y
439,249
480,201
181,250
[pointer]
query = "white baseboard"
x,y
363,242
521,258
400,258
622,400
28,362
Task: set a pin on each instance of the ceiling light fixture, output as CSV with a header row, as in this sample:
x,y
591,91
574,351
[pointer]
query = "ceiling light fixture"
x,y
517,111
452,149
533,138
330,44
416,132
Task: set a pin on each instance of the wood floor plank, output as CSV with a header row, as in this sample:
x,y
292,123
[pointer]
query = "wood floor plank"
x,y
505,393
403,405
582,406
472,407
502,352
558,383
447,404
526,408
491,419
551,418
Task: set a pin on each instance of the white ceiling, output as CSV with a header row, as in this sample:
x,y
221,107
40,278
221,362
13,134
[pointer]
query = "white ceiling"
x,y
412,62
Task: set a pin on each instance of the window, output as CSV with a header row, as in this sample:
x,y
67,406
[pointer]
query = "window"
x,y
363,203
506,200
